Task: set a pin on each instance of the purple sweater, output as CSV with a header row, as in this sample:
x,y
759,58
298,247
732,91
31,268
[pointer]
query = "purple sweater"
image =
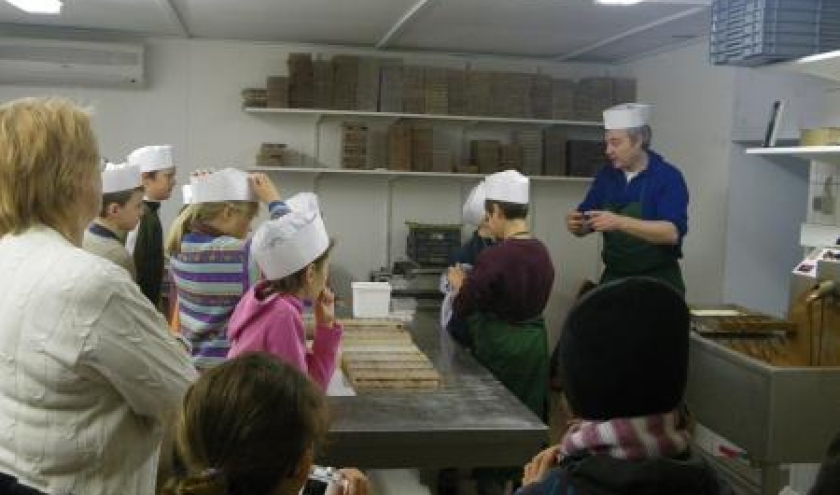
x,y
512,280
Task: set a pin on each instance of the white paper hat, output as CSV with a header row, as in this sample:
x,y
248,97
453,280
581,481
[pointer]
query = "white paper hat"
x,y
285,245
228,184
626,116
152,158
473,211
186,192
509,186
120,177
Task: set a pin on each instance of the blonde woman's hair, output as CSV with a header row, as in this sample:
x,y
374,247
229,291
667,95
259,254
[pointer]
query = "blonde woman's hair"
x,y
202,213
48,160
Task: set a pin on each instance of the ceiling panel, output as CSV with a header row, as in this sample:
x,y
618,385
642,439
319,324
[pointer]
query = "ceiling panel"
x,y
347,22
137,16
525,27
676,32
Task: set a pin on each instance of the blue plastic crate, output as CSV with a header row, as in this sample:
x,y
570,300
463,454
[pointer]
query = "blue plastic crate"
x,y
755,32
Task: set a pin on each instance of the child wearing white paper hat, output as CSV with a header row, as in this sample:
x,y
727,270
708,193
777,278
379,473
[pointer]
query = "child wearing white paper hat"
x,y
293,253
122,208
210,259
146,242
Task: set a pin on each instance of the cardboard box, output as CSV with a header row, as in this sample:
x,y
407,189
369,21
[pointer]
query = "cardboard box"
x,y
456,89
485,155
399,147
554,152
301,80
345,81
563,99
422,147
822,136
585,158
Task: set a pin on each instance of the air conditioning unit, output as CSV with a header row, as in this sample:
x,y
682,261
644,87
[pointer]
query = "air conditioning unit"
x,y
71,63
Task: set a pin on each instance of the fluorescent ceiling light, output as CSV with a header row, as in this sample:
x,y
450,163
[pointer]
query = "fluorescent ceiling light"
x,y
619,2
38,6
818,57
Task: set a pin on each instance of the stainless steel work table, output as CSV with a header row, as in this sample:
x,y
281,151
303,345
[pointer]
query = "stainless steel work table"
x,y
471,420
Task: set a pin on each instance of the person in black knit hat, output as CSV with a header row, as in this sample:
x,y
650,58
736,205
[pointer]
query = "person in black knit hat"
x,y
623,359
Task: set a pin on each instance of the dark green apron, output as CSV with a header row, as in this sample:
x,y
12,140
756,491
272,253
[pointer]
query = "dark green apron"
x,y
516,354
627,256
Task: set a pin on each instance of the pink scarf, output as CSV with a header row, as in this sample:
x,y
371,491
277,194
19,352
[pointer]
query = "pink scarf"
x,y
642,437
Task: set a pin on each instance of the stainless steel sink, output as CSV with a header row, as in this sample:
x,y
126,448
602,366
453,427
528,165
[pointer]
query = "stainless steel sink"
x,y
779,415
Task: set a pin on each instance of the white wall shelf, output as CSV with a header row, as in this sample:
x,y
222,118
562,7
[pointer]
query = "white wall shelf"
x,y
320,114
827,154
824,66
397,173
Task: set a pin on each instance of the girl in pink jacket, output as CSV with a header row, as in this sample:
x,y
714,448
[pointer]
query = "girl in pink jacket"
x,y
293,253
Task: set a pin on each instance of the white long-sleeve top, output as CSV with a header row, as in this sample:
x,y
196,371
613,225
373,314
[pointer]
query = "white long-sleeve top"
x,y
89,370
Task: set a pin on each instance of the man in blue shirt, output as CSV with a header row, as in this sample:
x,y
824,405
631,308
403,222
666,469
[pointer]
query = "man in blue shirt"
x,y
640,203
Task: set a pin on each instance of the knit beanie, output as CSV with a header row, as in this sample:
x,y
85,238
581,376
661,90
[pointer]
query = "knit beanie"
x,y
624,350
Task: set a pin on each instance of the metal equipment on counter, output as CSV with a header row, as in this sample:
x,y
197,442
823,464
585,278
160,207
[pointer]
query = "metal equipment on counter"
x,y
409,279
772,386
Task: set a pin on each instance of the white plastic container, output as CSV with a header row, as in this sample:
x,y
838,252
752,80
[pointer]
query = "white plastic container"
x,y
371,299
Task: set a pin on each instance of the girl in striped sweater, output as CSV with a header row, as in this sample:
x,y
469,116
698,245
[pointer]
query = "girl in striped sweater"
x,y
210,261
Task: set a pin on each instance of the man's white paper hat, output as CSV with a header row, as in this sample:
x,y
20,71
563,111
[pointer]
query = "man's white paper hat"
x,y
627,116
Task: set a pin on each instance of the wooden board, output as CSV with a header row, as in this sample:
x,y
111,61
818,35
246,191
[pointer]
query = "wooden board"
x,y
380,357
388,365
395,384
385,357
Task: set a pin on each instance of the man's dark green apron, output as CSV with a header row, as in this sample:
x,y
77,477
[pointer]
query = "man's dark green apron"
x,y
626,255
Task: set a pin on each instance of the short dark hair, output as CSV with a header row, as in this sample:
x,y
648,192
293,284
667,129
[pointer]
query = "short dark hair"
x,y
292,284
511,211
120,198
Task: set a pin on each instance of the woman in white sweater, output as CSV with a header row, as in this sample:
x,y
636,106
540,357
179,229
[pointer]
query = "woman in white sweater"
x,y
90,372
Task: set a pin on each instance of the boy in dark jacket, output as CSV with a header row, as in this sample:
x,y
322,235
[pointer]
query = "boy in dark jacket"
x,y
623,358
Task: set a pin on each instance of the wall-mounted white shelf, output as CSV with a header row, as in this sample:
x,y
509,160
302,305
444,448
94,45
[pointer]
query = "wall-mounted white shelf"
x,y
827,67
390,174
827,154
320,114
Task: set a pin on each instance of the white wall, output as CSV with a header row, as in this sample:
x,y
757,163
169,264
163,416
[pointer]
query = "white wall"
x,y
768,197
692,118
193,102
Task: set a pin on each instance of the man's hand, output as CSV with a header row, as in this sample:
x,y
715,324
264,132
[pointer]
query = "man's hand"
x,y
604,221
576,223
